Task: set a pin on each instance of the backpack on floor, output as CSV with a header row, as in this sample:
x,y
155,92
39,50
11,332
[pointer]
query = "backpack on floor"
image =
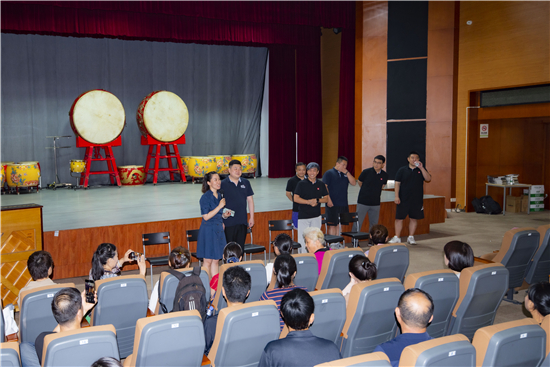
x,y
490,206
190,293
476,204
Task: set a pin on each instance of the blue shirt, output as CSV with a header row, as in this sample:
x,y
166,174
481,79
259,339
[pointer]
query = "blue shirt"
x,y
337,184
235,199
394,347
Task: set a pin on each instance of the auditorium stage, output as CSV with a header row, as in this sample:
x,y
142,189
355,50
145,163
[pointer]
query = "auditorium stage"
x,y
76,222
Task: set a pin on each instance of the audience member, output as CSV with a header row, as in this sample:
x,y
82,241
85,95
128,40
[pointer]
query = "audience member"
x,y
180,258
107,362
105,262
282,245
537,301
285,271
291,186
300,347
360,271
315,244
378,236
457,256
40,265
69,306
235,290
414,312
232,253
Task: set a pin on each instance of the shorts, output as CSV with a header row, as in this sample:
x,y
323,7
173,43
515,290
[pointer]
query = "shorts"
x,y
295,219
332,214
413,210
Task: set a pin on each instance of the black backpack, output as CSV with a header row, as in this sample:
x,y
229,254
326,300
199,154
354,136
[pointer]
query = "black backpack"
x,y
490,206
476,204
190,293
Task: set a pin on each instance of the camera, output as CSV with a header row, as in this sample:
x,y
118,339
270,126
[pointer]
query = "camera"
x,y
134,255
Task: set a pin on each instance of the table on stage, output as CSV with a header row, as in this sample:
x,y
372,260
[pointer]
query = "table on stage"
x,y
504,194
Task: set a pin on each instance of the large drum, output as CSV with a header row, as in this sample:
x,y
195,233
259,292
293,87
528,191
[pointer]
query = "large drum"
x,y
222,163
249,162
24,174
131,175
78,165
97,116
163,115
184,163
199,166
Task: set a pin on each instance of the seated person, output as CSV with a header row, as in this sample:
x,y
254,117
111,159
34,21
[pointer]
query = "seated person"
x,y
360,270
281,245
537,301
378,236
107,362
105,262
235,290
69,306
180,258
457,256
414,312
232,253
40,265
300,347
284,269
315,244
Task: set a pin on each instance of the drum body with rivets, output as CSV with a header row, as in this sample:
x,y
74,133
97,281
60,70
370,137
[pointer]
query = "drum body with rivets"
x,y
163,115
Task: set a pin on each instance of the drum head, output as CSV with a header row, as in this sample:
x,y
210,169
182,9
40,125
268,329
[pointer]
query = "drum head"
x,y
165,116
98,117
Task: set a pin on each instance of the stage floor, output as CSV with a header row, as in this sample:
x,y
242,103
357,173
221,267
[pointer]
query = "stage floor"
x,y
109,205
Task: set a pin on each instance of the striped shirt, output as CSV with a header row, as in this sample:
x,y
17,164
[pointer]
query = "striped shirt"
x,y
277,295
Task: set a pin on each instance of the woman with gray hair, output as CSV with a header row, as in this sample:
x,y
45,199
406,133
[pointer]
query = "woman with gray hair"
x,y
315,243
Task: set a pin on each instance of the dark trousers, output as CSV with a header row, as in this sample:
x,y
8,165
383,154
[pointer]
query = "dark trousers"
x,y
237,234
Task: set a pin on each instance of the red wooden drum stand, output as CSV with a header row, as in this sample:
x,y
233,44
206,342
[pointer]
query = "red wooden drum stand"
x,y
93,153
156,155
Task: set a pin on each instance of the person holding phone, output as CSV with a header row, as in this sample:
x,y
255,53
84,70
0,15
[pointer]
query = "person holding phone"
x,y
211,239
105,262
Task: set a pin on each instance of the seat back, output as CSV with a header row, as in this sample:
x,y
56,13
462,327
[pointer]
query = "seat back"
x,y
192,236
376,359
9,355
80,347
539,269
481,291
169,340
443,286
280,225
370,319
158,238
452,351
36,314
121,301
348,218
391,260
335,268
330,314
546,327
518,248
242,332
169,283
514,343
307,271
256,269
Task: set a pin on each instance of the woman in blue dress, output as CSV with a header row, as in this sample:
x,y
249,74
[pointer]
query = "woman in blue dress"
x,y
211,240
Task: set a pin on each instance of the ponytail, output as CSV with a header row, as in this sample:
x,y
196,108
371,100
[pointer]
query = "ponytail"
x,y
362,268
285,267
104,252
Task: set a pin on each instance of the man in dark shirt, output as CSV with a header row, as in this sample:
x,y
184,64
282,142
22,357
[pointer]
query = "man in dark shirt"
x,y
309,195
291,187
237,193
235,289
372,181
409,196
337,180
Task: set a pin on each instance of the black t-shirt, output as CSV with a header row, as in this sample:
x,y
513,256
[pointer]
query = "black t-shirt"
x,y
307,191
291,187
412,184
235,199
39,343
371,186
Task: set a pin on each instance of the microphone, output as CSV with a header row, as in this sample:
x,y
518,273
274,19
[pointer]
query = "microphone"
x,y
221,192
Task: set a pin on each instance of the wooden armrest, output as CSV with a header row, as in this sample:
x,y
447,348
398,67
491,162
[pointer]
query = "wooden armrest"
x,y
483,261
12,338
205,360
150,313
496,251
84,323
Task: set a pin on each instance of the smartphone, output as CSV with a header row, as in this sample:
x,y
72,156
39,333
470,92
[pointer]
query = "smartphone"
x,y
134,256
231,212
90,290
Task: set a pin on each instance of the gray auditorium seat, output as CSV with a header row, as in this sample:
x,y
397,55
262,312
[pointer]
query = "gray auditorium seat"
x,y
447,351
370,319
443,286
2,325
376,359
335,270
9,355
256,269
242,332
121,301
539,268
307,271
36,314
174,339
514,343
392,260
330,314
481,291
168,284
80,347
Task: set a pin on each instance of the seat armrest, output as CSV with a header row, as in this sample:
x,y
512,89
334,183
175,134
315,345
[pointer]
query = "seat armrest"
x,y
84,323
205,361
482,260
150,313
12,338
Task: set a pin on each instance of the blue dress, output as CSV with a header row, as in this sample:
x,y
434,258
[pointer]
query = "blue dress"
x,y
211,241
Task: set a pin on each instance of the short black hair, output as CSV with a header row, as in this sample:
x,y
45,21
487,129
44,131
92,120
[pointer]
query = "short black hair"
x,y
284,243
39,263
413,152
299,164
362,268
409,315
539,294
236,282
378,234
459,254
233,162
381,157
107,362
297,306
285,267
341,158
65,305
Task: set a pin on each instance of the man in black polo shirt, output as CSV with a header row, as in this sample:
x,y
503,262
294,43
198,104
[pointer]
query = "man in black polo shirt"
x,y
237,193
309,194
291,187
337,180
409,196
372,181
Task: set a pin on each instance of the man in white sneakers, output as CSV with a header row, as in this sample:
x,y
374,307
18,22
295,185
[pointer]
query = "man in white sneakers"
x,y
409,196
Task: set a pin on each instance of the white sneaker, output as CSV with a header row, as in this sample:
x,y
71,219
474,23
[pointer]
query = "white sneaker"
x,y
395,239
411,241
